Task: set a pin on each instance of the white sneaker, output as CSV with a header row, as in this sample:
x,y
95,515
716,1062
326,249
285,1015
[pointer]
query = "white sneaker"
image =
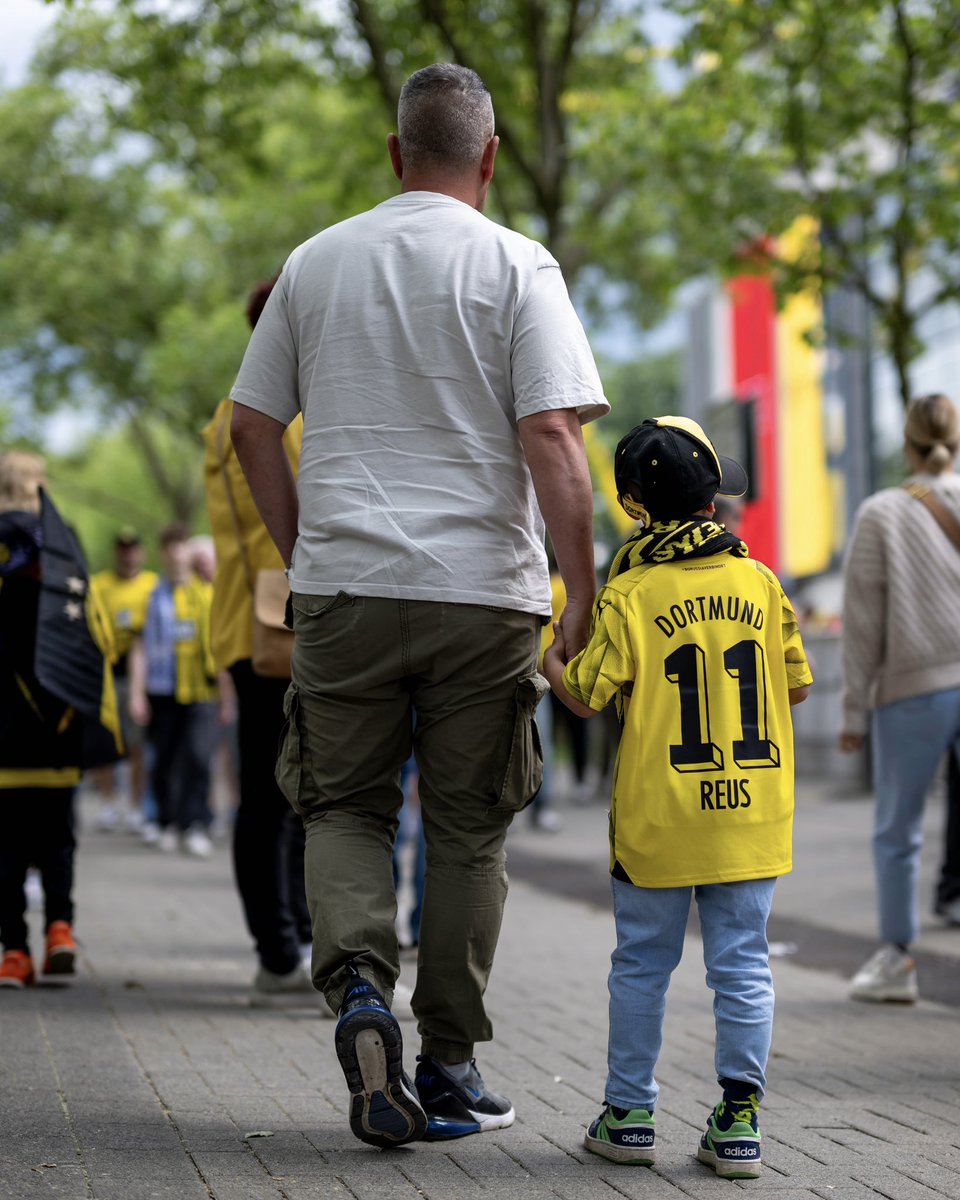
x,y
270,990
107,818
197,843
401,1007
133,821
166,841
150,833
889,975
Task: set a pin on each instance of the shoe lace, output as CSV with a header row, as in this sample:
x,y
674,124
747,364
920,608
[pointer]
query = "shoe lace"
x,y
740,1110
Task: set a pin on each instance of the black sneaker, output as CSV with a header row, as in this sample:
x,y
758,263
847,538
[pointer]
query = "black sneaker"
x,y
384,1109
455,1109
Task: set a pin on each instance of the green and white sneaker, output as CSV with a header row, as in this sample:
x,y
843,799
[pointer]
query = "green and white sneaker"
x,y
731,1142
623,1135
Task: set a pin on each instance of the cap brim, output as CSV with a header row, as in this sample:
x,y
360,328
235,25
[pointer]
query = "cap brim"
x,y
733,478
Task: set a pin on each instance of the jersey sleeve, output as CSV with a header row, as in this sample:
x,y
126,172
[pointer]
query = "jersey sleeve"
x,y
798,669
607,663
269,377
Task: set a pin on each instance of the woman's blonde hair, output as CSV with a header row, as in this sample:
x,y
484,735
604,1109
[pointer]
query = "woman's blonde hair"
x,y
932,431
22,474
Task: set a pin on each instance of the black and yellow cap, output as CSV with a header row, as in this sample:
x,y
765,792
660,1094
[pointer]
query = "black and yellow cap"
x,y
127,536
674,469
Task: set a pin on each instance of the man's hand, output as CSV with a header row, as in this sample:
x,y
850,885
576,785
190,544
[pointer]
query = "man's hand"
x,y
849,743
574,626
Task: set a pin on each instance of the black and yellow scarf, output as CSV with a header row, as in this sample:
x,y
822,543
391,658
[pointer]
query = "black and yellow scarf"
x,y
667,541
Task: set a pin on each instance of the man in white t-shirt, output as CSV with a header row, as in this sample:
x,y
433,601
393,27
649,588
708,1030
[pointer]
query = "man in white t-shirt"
x,y
443,377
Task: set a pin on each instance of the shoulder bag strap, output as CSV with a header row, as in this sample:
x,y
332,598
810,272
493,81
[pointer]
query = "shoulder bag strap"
x,y
231,503
938,510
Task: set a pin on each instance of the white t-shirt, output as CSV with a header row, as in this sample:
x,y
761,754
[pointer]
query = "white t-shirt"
x,y
413,337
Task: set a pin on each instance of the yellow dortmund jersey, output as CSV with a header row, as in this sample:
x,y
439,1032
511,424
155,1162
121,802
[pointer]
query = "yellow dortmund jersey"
x,y
702,652
242,543
125,602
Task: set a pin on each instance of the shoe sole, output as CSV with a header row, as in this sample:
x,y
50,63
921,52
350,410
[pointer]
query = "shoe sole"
x,y
887,998
383,1112
620,1154
15,985
726,1170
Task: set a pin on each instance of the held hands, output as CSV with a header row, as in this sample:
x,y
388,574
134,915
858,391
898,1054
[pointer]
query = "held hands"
x,y
849,743
573,628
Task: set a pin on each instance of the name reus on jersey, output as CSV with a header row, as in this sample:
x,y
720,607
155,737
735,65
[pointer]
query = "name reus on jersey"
x,y
718,794
709,608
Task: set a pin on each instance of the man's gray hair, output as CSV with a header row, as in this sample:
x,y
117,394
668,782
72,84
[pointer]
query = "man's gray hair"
x,y
445,117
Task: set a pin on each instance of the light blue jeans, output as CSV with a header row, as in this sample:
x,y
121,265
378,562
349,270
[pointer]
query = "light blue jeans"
x,y
910,737
651,923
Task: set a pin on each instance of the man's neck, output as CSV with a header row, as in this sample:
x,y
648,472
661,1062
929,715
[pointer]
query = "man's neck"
x,y
454,188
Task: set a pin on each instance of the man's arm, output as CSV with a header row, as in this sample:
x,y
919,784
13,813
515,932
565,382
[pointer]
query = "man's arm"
x,y
553,446
258,442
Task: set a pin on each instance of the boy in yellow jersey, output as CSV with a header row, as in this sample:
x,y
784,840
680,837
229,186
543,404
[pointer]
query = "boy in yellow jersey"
x,y
700,649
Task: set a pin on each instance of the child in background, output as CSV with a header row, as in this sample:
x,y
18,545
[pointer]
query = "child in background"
x,y
699,646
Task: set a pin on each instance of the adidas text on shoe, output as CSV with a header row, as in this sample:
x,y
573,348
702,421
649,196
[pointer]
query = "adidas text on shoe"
x,y
59,963
16,969
627,1139
731,1141
384,1109
890,975
456,1108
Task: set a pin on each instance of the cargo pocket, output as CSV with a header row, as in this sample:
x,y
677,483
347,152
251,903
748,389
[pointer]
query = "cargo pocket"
x,y
520,757
289,769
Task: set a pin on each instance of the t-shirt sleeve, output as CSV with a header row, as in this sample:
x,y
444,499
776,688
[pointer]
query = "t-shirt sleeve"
x,y
269,374
795,658
551,361
606,664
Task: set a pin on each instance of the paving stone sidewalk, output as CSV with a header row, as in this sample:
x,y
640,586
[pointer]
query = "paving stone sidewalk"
x,y
148,1077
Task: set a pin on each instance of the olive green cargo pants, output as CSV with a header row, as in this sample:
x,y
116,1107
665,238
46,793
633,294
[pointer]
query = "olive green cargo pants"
x,y
457,684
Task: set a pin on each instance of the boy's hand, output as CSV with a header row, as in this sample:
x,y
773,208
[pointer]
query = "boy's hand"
x,y
553,665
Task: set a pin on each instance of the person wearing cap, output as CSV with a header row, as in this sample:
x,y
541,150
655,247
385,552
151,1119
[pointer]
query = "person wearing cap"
x,y
124,592
699,648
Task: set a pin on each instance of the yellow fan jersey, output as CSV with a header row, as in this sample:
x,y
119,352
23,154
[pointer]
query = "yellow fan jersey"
x,y
702,653
125,602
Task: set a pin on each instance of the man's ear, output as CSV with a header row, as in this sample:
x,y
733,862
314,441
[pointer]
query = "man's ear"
x,y
393,149
487,161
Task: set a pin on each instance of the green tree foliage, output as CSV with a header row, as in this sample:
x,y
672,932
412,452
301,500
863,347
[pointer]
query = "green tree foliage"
x,y
124,271
844,111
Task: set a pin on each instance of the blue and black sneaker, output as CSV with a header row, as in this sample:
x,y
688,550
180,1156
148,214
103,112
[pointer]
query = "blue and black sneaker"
x,y
384,1109
456,1107
731,1141
624,1135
